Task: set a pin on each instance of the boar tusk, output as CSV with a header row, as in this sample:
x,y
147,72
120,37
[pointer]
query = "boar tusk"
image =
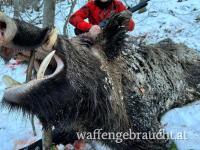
x,y
44,65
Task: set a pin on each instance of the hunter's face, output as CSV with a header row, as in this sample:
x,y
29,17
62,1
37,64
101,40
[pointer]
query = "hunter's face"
x,y
103,1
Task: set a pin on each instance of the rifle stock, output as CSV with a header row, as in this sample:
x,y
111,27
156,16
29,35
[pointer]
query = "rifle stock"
x,y
138,6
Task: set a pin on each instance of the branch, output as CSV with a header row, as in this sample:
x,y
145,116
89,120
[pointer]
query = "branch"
x,y
67,18
28,78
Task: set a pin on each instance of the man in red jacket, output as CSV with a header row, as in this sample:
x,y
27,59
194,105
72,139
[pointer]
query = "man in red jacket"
x,y
96,11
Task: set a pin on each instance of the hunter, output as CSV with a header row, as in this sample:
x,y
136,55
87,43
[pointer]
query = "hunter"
x,y
96,11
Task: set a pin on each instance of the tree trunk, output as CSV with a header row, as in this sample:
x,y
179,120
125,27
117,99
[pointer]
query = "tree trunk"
x,y
67,18
35,5
17,8
47,139
48,21
49,13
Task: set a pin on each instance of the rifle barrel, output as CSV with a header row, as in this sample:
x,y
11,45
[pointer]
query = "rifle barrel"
x,y
139,6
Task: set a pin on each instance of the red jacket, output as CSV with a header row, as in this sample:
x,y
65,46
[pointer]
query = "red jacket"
x,y
95,15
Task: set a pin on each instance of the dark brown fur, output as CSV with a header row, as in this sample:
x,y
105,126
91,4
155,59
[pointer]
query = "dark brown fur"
x,y
152,78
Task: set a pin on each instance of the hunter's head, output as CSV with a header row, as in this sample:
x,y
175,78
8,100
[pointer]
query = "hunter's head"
x,y
103,3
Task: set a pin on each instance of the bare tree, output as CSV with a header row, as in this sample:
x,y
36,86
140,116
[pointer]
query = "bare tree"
x,y
48,20
67,17
17,8
49,13
36,5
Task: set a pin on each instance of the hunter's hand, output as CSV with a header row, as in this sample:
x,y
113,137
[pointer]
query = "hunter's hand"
x,y
95,30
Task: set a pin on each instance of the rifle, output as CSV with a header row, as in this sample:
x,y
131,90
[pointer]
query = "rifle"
x,y
142,4
104,23
138,6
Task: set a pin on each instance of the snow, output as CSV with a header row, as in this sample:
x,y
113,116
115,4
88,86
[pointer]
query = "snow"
x,y
15,131
163,19
170,19
186,120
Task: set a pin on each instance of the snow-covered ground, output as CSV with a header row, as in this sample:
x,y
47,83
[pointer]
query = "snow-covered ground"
x,y
164,18
178,21
15,131
169,18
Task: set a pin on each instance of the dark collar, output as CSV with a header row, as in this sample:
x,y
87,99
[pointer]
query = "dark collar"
x,y
103,5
